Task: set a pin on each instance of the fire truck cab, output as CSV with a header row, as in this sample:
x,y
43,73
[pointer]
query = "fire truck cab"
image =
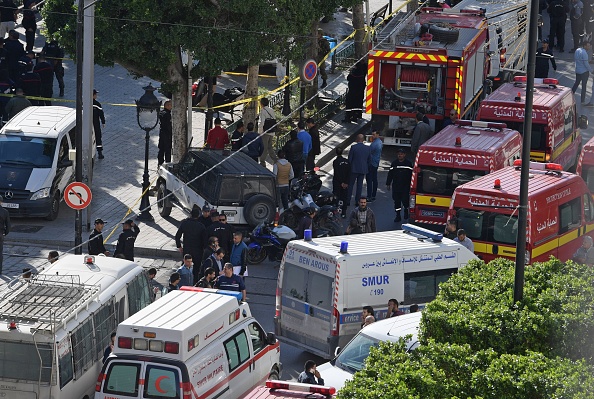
x,y
555,135
585,167
560,210
456,155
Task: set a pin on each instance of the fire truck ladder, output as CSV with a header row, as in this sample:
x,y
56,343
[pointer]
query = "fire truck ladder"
x,y
397,30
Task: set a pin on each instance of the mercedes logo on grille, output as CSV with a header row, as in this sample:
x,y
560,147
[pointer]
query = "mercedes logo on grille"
x,y
8,195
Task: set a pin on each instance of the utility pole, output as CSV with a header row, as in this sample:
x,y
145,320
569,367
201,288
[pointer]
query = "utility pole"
x,y
79,120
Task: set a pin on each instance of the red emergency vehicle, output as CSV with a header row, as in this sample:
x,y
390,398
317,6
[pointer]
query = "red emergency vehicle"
x,y
555,135
456,155
560,210
585,167
439,60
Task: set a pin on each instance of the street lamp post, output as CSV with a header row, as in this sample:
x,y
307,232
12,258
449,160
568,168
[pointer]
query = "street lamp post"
x,y
147,115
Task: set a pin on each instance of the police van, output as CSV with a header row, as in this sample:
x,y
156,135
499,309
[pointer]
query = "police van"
x,y
55,326
457,154
324,283
191,343
560,211
35,164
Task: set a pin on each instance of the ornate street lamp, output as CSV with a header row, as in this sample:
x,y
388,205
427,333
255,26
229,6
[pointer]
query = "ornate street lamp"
x,y
147,115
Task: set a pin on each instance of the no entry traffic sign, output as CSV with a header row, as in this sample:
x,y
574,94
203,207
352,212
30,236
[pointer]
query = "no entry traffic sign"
x,y
309,71
77,195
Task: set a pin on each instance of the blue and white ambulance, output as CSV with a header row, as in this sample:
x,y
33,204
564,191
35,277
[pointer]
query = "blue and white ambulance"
x,y
324,283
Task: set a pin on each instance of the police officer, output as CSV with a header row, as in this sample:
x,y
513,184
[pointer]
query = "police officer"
x,y
126,240
46,74
4,229
194,239
544,57
340,181
558,16
95,244
30,82
205,217
400,174
98,122
55,54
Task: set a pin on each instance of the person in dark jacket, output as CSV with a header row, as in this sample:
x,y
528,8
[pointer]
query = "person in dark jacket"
x,y
294,153
29,22
205,217
126,240
30,82
399,178
544,56
209,279
3,55
16,104
54,54
174,280
356,93
359,158
310,374
98,123
237,136
46,74
316,149
306,222
194,240
6,87
215,261
221,230
558,16
4,229
14,52
255,147
165,134
95,244
340,180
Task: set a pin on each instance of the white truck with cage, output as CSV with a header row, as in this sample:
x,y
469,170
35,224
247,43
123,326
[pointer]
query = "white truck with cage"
x,y
55,326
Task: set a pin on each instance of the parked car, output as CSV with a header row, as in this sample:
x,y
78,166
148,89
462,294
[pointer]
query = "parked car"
x,y
238,187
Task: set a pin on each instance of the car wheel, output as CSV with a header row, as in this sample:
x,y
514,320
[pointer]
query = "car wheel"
x,y
163,204
255,256
274,375
54,207
287,218
258,209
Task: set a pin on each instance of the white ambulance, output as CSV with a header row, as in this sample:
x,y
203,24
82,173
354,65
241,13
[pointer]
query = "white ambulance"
x,y
191,343
324,283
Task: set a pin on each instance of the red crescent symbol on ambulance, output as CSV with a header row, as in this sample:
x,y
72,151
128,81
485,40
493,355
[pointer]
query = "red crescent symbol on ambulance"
x,y
158,383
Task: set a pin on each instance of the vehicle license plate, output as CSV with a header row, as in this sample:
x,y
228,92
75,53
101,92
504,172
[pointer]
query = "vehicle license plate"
x,y
10,205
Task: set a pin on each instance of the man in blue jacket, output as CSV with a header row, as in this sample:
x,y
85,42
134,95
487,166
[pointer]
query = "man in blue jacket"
x,y
304,137
375,157
255,146
359,158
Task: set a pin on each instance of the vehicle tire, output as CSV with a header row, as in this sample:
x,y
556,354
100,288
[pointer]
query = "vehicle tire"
x,y
274,375
259,208
255,257
444,33
54,207
163,205
287,218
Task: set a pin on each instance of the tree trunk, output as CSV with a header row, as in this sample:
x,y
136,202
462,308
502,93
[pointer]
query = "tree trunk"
x,y
179,112
359,26
251,90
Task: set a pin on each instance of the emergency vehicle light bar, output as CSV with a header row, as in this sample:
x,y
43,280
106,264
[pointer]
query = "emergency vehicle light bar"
x,y
540,165
297,386
492,125
545,81
235,294
409,228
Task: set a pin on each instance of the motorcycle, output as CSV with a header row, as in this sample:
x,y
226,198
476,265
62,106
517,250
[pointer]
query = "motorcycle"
x,y
199,90
304,193
267,240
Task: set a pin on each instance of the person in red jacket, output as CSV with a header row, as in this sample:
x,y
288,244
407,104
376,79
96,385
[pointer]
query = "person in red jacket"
x,y
217,137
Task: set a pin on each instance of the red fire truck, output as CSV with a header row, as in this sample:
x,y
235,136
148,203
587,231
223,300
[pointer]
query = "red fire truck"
x,y
440,60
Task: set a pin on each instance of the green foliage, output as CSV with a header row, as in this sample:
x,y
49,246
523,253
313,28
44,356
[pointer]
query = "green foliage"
x,y
438,371
556,316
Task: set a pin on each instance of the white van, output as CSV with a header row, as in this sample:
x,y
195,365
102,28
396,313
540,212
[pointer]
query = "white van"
x,y
324,283
191,343
56,325
352,357
35,167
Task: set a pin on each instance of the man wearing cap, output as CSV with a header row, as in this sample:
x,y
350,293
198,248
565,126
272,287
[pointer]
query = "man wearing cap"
x,y
544,56
126,240
217,137
95,244
400,175
194,238
4,229
205,217
165,134
98,123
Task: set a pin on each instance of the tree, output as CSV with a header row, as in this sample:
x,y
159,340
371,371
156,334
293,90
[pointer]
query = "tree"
x,y
476,343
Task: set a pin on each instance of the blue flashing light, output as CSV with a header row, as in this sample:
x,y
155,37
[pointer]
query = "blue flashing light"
x,y
409,228
235,294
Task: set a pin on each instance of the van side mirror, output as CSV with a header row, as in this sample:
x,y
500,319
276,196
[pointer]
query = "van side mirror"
x,y
583,122
270,338
337,351
65,163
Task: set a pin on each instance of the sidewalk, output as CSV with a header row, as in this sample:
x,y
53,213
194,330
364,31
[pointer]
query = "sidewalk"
x,y
116,184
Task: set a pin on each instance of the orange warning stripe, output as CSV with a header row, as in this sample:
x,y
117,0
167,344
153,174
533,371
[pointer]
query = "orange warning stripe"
x,y
369,92
410,56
